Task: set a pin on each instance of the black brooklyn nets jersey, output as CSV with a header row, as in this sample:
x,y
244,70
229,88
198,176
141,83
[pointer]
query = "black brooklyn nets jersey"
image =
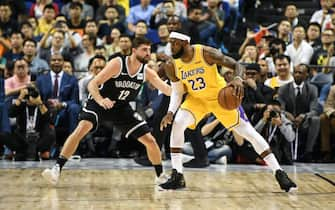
x,y
123,87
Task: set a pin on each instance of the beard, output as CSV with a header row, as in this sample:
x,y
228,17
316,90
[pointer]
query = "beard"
x,y
143,60
178,54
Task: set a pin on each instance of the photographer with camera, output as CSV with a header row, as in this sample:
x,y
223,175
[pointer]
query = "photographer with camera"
x,y
278,131
33,133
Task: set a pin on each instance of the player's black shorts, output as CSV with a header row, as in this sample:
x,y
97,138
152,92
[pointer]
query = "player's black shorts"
x,y
123,117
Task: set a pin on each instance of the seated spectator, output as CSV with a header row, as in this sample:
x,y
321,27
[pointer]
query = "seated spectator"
x,y
36,64
34,24
321,57
87,10
8,23
19,80
162,45
323,16
328,127
264,70
276,47
292,15
142,11
33,133
215,15
299,50
101,50
313,35
57,46
141,29
299,101
68,67
125,46
110,21
36,9
81,60
113,42
72,38
95,65
256,94
92,29
282,63
179,8
16,42
284,31
161,13
75,20
250,54
278,131
206,28
106,3
46,22
59,91
27,31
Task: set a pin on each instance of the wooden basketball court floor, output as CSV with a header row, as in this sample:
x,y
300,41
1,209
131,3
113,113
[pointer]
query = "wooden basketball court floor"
x,y
122,184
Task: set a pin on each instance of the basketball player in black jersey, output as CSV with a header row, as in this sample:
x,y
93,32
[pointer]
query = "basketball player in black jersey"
x,y
110,92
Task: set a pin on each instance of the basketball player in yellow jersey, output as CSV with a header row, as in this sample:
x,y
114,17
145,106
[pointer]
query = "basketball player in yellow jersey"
x,y
194,71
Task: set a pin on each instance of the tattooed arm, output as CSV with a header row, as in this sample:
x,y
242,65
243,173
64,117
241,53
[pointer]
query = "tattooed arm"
x,y
212,56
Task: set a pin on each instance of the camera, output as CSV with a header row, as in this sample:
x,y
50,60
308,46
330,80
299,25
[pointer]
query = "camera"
x,y
32,91
273,114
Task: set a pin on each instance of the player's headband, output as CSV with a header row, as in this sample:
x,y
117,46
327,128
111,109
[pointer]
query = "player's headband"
x,y
177,35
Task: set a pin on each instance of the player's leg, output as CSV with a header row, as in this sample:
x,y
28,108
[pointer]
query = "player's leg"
x,y
153,152
88,120
182,120
246,130
70,146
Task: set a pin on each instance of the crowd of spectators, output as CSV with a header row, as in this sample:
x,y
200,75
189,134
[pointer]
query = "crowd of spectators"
x,y
50,49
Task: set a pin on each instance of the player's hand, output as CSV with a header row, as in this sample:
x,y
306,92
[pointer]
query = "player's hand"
x,y
106,103
237,84
167,120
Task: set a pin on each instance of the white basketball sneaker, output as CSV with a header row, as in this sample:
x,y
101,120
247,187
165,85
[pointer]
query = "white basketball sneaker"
x,y
161,179
52,175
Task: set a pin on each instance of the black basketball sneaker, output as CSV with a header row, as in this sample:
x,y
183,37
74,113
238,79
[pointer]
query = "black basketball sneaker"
x,y
176,181
285,182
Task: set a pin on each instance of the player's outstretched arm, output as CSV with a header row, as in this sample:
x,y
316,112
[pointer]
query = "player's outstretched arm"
x,y
110,70
214,56
152,76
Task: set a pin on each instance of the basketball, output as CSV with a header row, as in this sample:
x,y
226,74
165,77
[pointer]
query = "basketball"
x,y
227,100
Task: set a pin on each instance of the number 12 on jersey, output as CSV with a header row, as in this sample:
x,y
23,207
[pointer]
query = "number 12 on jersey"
x,y
123,94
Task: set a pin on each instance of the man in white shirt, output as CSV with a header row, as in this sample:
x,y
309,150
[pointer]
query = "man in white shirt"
x,y
299,51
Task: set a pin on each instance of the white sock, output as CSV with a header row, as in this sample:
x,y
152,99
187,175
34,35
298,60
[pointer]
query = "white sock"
x,y
177,162
272,162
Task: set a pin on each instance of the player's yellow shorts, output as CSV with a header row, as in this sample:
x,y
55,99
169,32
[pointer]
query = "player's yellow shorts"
x,y
200,107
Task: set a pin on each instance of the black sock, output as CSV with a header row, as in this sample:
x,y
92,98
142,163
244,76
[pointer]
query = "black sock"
x,y
61,160
158,169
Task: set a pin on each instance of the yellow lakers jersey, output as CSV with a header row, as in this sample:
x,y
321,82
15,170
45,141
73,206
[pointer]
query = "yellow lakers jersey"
x,y
200,79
